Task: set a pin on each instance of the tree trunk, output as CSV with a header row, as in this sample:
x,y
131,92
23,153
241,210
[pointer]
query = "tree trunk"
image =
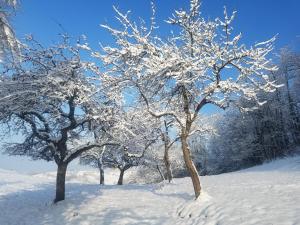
x,y
60,182
120,181
101,172
190,166
101,176
168,164
160,173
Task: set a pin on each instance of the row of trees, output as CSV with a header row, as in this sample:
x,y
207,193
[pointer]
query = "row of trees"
x,y
246,138
148,90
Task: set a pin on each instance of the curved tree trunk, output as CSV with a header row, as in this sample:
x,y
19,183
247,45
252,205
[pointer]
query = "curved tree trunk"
x,y
190,166
120,181
168,164
60,182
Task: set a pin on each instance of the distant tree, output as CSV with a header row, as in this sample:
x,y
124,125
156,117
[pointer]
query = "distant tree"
x,y
200,152
233,146
289,75
203,63
134,133
122,160
249,137
95,159
168,141
154,168
49,99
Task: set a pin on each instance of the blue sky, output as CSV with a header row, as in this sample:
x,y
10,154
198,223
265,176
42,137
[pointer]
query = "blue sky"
x,y
258,20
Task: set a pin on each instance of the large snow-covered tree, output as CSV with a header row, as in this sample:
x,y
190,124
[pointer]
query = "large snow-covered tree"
x,y
202,62
49,99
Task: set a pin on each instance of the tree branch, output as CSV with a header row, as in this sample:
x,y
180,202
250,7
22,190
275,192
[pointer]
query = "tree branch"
x,y
81,150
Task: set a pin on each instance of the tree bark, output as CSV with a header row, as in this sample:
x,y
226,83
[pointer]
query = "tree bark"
x,y
101,172
160,173
190,166
168,164
60,182
120,181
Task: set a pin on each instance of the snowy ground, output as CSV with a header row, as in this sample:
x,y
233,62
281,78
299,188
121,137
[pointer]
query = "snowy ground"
x,y
267,194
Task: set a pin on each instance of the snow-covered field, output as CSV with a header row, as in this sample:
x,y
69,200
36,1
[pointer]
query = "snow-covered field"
x,y
267,194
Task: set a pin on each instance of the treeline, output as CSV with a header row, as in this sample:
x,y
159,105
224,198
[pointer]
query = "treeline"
x,y
262,132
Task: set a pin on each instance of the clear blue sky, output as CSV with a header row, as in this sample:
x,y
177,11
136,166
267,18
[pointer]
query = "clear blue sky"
x,y
258,20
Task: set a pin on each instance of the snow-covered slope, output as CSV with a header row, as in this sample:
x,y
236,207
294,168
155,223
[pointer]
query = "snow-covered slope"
x,y
267,194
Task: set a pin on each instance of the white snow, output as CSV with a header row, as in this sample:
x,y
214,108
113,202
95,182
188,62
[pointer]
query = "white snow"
x,y
267,194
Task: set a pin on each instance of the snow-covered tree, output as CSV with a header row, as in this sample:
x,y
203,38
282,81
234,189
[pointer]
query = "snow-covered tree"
x,y
271,130
154,167
168,141
49,99
94,158
9,45
134,132
204,63
289,75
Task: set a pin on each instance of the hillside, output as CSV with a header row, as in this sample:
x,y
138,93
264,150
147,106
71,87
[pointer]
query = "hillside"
x,y
267,194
